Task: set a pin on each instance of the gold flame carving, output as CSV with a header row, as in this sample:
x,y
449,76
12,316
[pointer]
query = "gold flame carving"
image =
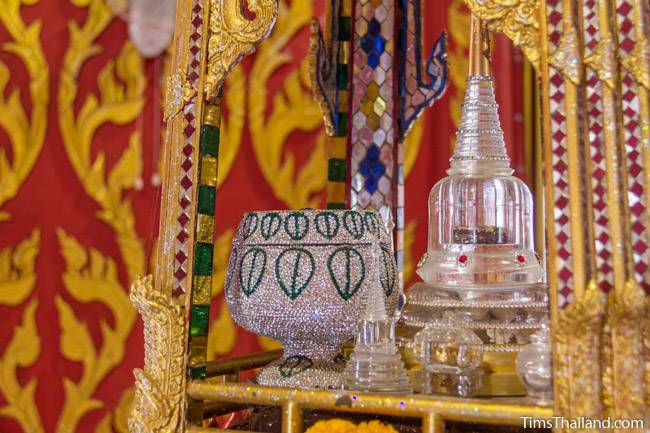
x,y
158,404
517,19
233,36
577,372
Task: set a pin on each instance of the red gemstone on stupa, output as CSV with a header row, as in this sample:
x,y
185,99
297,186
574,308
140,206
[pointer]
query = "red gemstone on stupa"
x,y
463,259
521,258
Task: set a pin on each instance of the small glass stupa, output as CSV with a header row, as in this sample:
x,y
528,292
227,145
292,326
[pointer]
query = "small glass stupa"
x,y
481,262
375,364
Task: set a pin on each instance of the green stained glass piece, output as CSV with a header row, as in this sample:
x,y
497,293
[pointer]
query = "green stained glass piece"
x,y
337,169
345,28
209,140
207,195
198,373
342,129
343,76
199,320
203,259
336,205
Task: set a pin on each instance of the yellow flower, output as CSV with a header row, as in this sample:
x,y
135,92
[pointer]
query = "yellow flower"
x,y
342,426
374,427
333,426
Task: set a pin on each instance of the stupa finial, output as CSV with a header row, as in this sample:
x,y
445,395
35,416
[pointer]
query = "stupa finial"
x,y
480,51
480,148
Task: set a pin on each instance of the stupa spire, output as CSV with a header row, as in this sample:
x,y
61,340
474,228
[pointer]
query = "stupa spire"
x,y
480,147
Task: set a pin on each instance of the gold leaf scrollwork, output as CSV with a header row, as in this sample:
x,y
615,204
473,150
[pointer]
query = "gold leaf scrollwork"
x,y
26,135
17,282
158,404
233,36
517,19
17,275
119,104
293,109
22,351
90,277
576,361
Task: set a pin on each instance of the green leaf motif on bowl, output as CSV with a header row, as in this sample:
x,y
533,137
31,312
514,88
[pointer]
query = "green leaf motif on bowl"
x,y
327,224
294,365
294,269
251,271
347,271
296,225
270,224
372,222
250,225
354,224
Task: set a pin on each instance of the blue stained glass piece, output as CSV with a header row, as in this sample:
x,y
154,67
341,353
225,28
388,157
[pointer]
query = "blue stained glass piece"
x,y
374,27
377,169
380,45
364,167
373,60
371,185
373,153
367,43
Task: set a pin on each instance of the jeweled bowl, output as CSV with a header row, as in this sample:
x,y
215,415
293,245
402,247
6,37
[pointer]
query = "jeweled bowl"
x,y
302,278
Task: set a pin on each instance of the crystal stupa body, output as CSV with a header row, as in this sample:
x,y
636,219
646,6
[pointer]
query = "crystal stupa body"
x,y
480,216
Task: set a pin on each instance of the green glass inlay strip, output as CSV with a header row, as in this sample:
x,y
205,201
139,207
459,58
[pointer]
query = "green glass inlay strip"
x,y
198,373
336,205
210,140
199,318
336,170
345,28
203,259
207,195
343,77
342,124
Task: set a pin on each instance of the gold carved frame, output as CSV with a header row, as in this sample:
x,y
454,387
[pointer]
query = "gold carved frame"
x,y
601,343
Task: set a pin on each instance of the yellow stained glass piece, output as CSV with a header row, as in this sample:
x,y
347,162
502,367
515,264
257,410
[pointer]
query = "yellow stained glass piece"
x,y
205,229
202,290
208,170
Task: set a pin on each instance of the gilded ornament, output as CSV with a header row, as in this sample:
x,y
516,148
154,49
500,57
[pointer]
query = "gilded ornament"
x,y
319,63
623,353
604,61
178,93
159,401
577,373
567,57
233,36
517,19
638,62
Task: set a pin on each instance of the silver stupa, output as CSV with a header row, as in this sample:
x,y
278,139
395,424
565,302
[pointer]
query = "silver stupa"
x,y
481,262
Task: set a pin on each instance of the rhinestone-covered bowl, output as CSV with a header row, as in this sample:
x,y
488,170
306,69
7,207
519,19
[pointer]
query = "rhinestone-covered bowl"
x,y
302,278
